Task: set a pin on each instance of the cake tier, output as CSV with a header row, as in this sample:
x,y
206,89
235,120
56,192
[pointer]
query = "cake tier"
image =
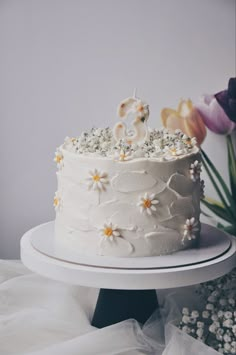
x,y
138,207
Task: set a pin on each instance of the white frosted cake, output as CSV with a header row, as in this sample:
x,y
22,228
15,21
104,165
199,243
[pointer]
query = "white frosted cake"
x,y
128,192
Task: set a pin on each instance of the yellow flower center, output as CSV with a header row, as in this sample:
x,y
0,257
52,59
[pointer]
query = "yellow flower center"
x,y
147,203
108,231
188,141
140,108
96,178
58,158
173,151
122,156
56,201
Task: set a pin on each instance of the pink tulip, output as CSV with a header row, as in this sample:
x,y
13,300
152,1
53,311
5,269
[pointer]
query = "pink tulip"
x,y
186,118
214,116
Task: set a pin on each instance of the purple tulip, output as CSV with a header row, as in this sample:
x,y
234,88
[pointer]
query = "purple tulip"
x,y
227,99
214,116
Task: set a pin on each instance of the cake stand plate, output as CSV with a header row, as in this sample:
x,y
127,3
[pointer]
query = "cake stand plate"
x,y
128,292
213,243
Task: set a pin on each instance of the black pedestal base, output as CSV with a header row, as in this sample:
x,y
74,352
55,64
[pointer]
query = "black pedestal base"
x,y
114,306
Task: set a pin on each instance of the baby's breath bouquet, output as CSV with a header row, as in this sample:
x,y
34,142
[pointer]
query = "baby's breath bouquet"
x,y
215,323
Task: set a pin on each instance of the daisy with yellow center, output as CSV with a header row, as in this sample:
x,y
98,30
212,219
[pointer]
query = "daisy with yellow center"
x,y
141,109
97,180
195,170
175,150
172,151
123,155
58,159
191,227
147,203
57,203
109,231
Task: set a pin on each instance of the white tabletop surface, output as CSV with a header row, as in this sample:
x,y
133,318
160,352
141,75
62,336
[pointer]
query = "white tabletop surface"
x,y
215,260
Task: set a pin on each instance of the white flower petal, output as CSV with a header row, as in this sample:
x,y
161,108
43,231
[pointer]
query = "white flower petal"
x,y
116,233
153,208
155,202
149,211
103,180
99,185
94,185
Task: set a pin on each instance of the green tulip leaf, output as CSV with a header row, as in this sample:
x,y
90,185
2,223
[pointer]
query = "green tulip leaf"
x,y
218,210
232,166
211,169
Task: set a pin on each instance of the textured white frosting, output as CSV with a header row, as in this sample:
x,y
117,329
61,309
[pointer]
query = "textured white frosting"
x,y
83,212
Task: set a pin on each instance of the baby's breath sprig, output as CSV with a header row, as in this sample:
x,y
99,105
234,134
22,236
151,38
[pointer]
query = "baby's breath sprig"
x,y
215,325
159,144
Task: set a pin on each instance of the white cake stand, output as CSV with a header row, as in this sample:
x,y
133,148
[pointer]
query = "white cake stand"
x,y
128,284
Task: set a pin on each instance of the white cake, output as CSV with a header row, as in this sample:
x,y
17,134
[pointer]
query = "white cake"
x,y
125,197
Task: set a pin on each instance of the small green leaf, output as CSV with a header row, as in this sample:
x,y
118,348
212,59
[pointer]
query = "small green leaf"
x,y
232,166
230,229
214,202
209,165
218,210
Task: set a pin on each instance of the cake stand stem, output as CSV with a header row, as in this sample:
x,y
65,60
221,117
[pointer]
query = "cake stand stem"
x,y
114,306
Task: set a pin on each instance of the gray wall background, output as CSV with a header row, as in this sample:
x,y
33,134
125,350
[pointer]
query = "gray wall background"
x,y
64,67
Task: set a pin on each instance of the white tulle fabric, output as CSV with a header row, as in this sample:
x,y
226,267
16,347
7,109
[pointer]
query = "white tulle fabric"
x,y
39,316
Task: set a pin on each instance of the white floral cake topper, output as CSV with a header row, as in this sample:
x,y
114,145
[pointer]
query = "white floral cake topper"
x,y
124,143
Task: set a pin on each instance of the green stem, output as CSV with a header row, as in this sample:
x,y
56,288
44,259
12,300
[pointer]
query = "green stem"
x,y
232,166
218,211
228,210
222,183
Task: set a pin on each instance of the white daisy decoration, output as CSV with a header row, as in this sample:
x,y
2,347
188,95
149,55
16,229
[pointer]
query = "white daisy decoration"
x,y
141,109
108,232
190,229
175,150
59,159
195,170
97,180
193,141
57,201
147,204
123,155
